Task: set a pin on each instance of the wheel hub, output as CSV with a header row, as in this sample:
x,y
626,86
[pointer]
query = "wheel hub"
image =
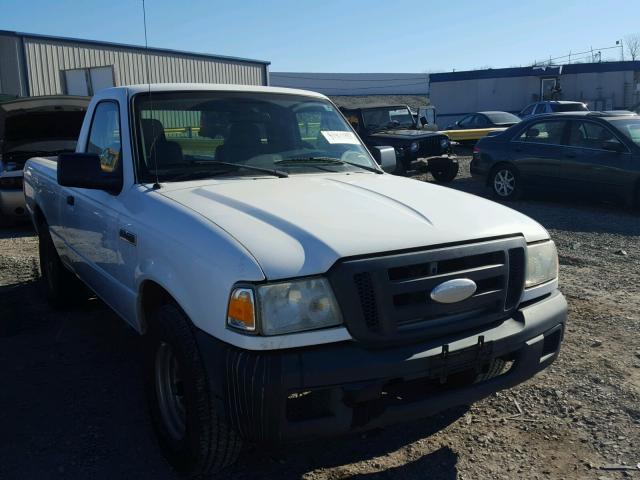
x,y
504,183
170,391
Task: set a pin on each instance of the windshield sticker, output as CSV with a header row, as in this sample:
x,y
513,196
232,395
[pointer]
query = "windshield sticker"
x,y
333,136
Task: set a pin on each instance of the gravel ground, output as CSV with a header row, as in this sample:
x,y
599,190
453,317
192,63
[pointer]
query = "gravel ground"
x,y
71,402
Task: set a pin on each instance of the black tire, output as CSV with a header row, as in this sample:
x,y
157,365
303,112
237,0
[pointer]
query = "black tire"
x,y
636,200
193,437
400,170
445,173
61,287
496,367
504,182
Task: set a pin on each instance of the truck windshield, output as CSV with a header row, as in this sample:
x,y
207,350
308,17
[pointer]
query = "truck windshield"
x,y
188,135
387,117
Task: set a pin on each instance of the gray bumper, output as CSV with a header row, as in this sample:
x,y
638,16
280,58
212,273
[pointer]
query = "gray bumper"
x,y
333,389
12,203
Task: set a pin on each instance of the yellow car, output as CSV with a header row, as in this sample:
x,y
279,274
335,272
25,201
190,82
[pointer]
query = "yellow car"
x,y
474,126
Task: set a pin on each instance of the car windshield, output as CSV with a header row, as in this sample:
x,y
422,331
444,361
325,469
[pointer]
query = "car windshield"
x,y
190,135
569,107
387,117
500,118
630,127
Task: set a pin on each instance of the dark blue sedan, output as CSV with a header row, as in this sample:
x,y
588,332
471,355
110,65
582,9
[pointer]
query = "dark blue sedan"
x,y
581,152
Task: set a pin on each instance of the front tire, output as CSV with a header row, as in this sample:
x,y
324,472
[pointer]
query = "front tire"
x,y
194,438
505,182
446,173
61,287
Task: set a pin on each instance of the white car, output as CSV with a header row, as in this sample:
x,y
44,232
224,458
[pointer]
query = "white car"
x,y
552,106
286,287
31,126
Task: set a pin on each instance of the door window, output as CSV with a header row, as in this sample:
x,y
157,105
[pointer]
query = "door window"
x,y
589,135
481,122
104,136
549,132
467,121
541,108
528,110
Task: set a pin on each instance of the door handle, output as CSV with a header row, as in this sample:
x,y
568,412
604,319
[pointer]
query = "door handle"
x,y
570,155
71,200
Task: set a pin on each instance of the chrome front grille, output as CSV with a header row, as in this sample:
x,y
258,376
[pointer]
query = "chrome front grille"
x,y
393,291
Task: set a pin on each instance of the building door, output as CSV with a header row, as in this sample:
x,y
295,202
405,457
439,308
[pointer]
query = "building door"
x,y
548,88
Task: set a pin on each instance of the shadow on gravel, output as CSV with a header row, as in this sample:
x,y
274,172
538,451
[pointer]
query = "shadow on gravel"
x,y
293,461
439,465
17,231
72,406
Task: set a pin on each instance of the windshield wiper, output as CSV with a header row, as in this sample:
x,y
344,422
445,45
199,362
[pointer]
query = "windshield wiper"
x,y
201,174
329,160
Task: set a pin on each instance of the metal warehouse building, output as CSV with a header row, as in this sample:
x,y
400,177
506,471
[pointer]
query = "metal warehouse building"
x,y
603,86
34,65
350,84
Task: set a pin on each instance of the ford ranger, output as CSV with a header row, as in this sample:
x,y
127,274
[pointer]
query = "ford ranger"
x,y
285,286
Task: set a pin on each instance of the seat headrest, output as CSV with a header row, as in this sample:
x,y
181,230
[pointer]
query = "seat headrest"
x,y
152,131
243,134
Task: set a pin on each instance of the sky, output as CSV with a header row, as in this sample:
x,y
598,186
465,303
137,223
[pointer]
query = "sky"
x,y
344,35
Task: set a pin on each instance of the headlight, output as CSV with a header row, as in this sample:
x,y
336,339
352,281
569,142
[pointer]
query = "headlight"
x,y
542,263
414,147
287,307
444,143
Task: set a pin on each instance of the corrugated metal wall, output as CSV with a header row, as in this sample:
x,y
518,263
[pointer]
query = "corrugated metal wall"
x,y
46,59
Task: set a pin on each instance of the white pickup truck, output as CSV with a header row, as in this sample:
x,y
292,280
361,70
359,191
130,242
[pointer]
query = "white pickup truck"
x,y
286,287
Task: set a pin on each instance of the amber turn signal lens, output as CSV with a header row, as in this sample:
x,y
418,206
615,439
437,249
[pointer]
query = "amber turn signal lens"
x,y
241,311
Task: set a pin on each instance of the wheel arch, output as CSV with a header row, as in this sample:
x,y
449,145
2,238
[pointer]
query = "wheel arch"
x,y
151,296
38,218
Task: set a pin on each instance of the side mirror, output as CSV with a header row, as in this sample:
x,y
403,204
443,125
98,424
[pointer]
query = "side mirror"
x,y
83,170
613,146
386,157
423,121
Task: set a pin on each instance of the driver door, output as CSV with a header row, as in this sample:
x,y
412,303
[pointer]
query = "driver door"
x,y
92,216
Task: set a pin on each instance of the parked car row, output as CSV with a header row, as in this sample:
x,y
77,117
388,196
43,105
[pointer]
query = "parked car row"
x,y
579,152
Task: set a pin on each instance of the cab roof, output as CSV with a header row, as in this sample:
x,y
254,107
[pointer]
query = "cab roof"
x,y
211,87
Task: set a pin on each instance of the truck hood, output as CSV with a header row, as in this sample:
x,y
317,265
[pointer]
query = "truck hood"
x,y
404,134
303,224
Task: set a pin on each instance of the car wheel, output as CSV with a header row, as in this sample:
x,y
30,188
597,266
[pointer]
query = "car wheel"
x,y
446,173
504,182
61,287
193,437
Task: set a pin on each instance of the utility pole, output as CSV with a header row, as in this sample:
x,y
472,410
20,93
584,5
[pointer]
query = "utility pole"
x,y
621,43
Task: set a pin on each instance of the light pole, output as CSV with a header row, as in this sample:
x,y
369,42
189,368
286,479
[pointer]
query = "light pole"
x,y
621,43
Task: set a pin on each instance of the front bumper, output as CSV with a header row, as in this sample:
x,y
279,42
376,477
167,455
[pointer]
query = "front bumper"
x,y
333,389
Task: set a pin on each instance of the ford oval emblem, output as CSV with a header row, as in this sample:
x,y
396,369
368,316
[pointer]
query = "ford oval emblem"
x,y
454,290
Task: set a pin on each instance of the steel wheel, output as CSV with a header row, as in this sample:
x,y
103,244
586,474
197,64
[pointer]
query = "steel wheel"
x,y
170,391
504,183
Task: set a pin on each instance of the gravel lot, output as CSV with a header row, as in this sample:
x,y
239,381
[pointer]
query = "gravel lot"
x,y
72,406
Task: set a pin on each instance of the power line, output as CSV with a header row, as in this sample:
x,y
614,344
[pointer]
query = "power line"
x,y
302,77
590,52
